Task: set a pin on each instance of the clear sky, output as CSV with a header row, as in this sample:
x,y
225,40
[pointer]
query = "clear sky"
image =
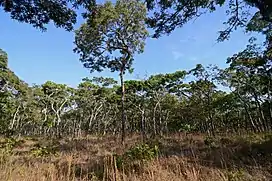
x,y
37,57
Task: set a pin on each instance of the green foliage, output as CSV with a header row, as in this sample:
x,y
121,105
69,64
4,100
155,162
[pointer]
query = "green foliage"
x,y
3,60
165,21
40,13
104,81
142,152
138,153
10,143
238,175
211,142
120,161
12,92
109,39
159,104
187,128
112,35
44,151
166,15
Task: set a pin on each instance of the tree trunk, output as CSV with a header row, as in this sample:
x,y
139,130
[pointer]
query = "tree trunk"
x,y
261,115
154,120
123,105
246,106
269,104
143,124
14,117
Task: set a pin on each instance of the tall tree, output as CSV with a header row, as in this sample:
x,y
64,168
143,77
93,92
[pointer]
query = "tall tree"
x,y
203,90
11,90
250,75
110,38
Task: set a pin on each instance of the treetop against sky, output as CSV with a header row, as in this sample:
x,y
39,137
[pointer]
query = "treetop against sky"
x,y
37,57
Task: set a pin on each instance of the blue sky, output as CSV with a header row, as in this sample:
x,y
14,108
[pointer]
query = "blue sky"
x,y
37,57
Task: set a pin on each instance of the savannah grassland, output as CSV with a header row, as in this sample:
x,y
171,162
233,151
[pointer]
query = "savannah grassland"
x,y
176,157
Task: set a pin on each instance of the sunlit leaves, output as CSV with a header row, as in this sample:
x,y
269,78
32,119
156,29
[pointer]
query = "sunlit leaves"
x,y
112,35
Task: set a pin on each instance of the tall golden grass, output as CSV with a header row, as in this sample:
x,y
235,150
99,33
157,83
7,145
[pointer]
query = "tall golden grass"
x,y
92,158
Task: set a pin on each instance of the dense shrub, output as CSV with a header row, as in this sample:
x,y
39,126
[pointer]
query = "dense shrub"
x,y
138,153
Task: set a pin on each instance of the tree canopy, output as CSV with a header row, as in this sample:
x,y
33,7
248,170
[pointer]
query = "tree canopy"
x,y
181,101
112,35
39,13
168,15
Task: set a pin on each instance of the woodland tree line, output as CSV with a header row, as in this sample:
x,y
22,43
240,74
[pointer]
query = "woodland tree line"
x,y
192,100
204,99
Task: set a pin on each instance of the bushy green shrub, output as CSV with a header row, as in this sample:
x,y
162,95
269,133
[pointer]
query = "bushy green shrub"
x,y
138,153
142,152
10,143
43,151
211,142
187,128
237,175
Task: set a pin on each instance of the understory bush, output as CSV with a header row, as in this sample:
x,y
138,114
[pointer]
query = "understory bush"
x,y
138,153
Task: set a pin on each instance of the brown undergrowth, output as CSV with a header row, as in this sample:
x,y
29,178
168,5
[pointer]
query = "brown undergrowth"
x,y
171,158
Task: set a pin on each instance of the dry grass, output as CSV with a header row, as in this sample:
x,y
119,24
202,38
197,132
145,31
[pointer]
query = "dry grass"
x,y
188,158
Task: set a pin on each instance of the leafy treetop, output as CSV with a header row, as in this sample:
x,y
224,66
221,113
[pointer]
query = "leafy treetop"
x,y
111,35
